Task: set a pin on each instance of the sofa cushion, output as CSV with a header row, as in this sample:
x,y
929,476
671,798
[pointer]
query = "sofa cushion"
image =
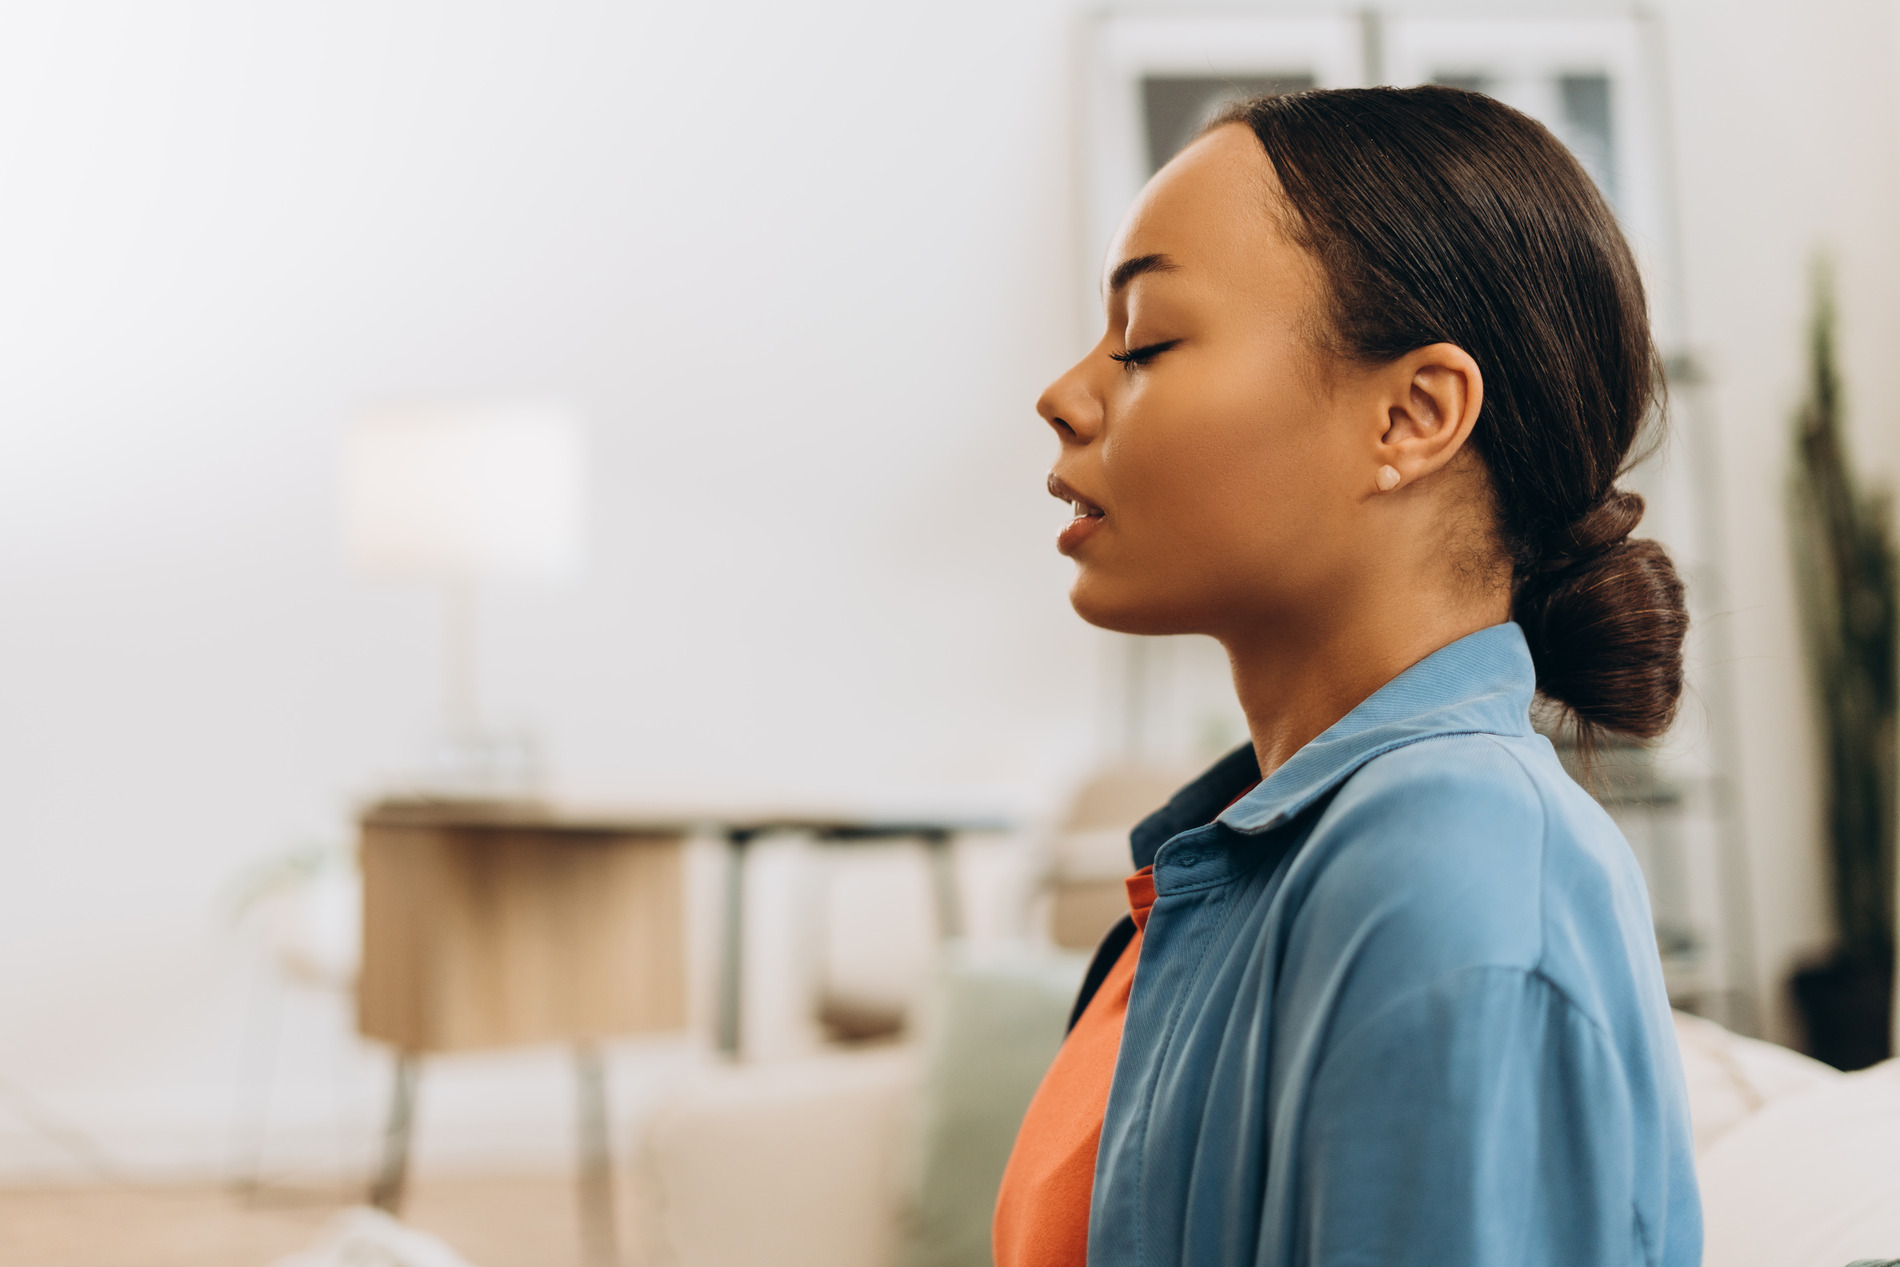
x,y
795,1163
1810,1180
996,1021
1731,1078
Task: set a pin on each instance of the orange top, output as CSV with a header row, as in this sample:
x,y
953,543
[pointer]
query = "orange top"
x,y
1042,1212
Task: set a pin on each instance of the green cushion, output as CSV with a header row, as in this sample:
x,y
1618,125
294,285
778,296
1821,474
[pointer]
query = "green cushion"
x,y
998,1017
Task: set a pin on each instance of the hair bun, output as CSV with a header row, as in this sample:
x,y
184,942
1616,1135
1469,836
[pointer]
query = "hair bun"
x,y
1604,616
1603,527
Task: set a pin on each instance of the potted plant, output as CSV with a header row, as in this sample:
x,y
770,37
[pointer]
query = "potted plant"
x,y
1845,571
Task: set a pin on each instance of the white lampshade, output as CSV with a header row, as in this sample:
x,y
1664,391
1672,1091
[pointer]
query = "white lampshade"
x,y
465,491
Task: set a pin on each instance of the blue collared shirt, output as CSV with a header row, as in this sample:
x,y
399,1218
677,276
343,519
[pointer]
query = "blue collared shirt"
x,y
1400,1004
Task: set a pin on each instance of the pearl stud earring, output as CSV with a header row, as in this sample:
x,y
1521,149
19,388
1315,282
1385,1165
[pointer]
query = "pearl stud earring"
x,y
1388,478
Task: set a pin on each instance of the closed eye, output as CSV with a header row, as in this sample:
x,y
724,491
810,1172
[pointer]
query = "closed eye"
x,y
1142,355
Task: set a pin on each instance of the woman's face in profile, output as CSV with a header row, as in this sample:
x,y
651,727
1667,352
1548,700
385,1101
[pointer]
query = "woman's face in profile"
x,y
1218,456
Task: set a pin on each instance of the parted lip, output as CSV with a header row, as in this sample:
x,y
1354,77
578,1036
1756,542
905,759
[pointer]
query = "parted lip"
x,y
1062,490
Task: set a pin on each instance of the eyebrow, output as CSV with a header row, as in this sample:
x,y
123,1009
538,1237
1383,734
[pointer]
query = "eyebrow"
x,y
1128,270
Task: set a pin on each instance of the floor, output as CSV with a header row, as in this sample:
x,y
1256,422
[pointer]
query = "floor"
x,y
492,1221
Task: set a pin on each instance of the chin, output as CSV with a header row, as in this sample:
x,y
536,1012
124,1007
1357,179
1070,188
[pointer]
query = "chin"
x,y
1128,610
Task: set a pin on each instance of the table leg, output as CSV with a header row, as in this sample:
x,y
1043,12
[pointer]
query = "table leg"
x,y
598,1240
943,877
386,1192
732,947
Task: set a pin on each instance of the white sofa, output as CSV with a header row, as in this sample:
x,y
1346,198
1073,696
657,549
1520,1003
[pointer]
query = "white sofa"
x,y
1799,1164
795,1163
863,1158
823,1160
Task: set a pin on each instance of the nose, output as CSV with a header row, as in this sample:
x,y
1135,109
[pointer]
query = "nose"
x,y
1072,407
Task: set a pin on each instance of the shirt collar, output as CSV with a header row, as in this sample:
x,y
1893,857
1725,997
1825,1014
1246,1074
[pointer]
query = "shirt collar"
x,y
1480,684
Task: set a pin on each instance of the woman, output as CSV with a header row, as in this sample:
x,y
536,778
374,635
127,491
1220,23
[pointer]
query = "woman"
x,y
1389,994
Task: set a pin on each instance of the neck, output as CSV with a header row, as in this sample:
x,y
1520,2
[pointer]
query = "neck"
x,y
1295,682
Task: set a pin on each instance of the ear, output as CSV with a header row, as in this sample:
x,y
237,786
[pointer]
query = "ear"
x,y
1433,395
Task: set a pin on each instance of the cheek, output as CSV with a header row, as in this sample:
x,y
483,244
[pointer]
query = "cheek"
x,y
1229,475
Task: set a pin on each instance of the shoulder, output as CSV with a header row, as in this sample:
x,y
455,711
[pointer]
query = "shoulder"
x,y
1464,782
1434,854
1467,852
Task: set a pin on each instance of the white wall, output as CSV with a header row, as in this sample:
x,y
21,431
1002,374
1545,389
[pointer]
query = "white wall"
x,y
803,267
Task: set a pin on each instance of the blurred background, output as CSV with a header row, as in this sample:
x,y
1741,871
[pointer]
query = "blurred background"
x,y
595,431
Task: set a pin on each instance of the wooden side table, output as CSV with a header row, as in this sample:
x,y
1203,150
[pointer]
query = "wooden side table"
x,y
499,923
496,924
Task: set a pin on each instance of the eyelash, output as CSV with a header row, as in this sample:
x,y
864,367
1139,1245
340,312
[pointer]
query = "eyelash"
x,y
1143,355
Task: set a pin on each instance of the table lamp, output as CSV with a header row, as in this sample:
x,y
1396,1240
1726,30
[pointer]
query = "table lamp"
x,y
459,495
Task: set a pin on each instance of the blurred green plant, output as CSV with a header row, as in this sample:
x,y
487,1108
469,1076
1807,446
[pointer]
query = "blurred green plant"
x,y
1845,569
282,873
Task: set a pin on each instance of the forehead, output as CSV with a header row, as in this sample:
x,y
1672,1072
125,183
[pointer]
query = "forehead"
x,y
1211,207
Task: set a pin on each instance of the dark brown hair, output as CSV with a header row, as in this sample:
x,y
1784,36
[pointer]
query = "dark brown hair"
x,y
1444,216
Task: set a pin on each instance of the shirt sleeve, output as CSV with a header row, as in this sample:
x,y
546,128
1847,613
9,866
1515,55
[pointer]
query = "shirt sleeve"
x,y
1475,1121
